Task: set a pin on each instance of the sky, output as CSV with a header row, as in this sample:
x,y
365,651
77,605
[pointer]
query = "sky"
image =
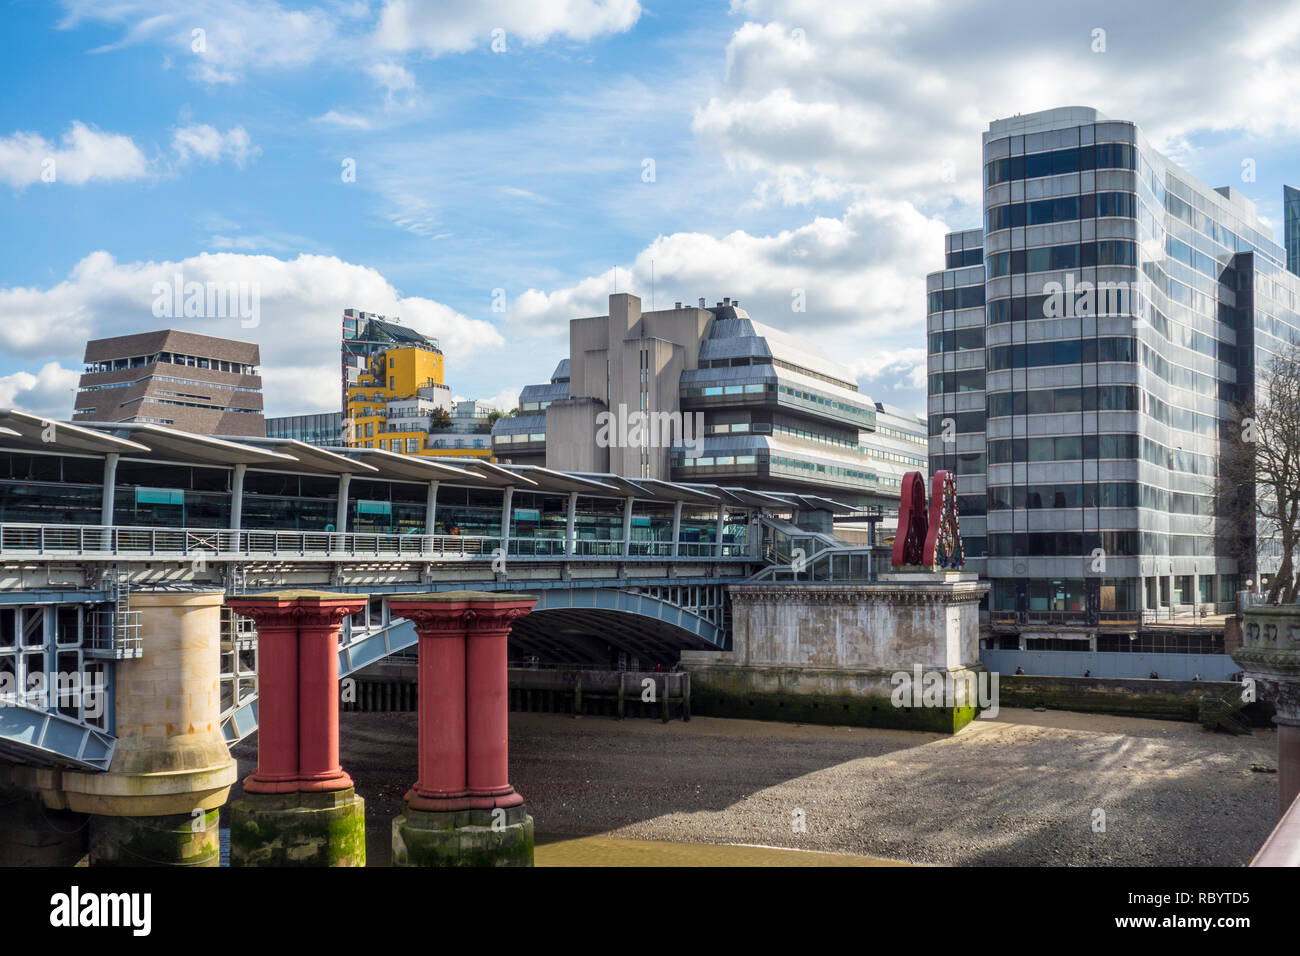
x,y
487,170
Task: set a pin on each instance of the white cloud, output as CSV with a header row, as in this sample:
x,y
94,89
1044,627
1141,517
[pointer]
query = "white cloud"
x,y
300,310
85,154
391,76
48,393
344,120
904,367
238,36
859,274
892,95
503,401
207,143
456,26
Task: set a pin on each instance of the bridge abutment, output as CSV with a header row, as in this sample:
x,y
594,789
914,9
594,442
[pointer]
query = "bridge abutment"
x,y
832,653
299,807
462,810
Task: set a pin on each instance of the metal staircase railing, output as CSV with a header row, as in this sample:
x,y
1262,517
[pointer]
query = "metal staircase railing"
x,y
781,539
115,631
359,649
1216,712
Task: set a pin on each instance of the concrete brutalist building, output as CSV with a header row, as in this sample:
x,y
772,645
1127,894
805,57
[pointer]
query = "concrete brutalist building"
x,y
754,407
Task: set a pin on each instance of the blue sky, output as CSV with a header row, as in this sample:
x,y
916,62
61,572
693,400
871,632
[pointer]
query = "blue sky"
x,y
795,146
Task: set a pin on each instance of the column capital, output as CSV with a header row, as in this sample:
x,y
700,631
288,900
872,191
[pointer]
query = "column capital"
x,y
297,607
495,618
457,612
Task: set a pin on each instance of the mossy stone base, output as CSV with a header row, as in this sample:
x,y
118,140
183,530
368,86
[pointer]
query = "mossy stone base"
x,y
173,840
298,829
464,838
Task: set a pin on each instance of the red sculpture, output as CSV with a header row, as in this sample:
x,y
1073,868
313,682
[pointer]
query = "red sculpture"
x,y
909,541
932,542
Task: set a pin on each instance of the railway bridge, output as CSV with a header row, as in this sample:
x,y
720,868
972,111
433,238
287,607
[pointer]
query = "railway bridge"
x,y
126,668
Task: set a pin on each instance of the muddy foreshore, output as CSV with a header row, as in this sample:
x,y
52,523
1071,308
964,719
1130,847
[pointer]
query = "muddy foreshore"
x,y
1019,790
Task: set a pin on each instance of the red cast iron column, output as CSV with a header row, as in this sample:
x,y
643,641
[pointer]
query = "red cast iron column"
x,y
487,708
318,691
277,704
441,785
297,688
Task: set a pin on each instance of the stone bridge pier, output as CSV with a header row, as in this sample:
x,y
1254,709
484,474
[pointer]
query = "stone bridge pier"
x,y
462,810
299,807
171,771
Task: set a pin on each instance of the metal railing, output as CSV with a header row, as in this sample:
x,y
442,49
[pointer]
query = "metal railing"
x,y
1282,848
845,565
88,540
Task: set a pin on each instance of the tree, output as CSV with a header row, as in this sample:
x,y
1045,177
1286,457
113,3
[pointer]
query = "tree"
x,y
439,420
1258,483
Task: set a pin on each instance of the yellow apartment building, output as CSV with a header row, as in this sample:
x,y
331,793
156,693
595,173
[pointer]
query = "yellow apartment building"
x,y
392,404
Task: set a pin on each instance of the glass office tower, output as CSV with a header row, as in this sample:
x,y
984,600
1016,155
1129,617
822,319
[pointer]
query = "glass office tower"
x,y
955,305
1291,216
1125,305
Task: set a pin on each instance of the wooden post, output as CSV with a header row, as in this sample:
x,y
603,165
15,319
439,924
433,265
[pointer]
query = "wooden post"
x,y
663,702
577,697
621,704
686,695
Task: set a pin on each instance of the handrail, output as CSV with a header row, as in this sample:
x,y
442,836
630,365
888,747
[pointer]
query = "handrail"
x,y
852,564
216,543
1282,848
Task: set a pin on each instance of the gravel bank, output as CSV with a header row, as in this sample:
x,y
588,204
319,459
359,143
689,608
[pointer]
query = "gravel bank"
x,y
1018,790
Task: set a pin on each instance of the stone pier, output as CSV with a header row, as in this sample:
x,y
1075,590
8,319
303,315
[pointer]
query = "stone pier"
x,y
462,810
299,807
831,653
171,770
1270,655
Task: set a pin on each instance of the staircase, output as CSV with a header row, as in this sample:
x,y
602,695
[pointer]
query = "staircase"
x,y
1216,712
